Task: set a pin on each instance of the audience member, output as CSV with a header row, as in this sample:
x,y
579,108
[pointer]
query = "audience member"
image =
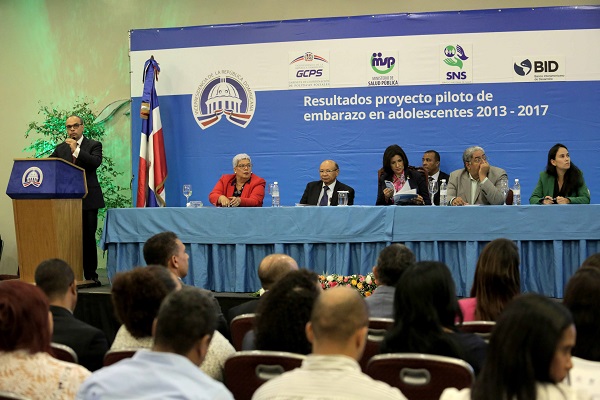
x,y
137,296
56,279
271,269
425,308
592,261
396,171
391,263
582,298
478,182
496,282
240,189
431,165
325,191
167,250
337,330
26,367
529,354
182,333
562,182
283,313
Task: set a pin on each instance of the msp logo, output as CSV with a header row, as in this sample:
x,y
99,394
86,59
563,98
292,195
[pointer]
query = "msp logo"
x,y
223,93
308,70
383,70
539,69
523,68
456,64
33,176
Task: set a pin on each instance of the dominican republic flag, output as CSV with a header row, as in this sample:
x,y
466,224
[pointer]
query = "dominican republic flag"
x,y
152,171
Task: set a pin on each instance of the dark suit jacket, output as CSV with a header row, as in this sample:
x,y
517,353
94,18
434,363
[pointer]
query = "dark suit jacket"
x,y
90,158
436,197
415,179
248,307
88,342
313,190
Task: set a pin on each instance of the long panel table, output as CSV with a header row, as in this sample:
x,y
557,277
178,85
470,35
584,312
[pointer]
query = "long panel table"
x,y
227,244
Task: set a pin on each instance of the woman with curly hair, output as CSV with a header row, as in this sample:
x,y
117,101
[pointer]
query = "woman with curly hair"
x,y
496,282
283,312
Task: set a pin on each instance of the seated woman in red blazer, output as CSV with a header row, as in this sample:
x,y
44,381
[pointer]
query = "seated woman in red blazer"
x,y
240,189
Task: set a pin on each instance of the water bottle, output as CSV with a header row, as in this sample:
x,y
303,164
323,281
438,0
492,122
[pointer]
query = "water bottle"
x,y
517,193
275,194
443,193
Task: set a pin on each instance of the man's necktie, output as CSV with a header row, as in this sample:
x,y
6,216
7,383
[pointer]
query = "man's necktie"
x,y
325,198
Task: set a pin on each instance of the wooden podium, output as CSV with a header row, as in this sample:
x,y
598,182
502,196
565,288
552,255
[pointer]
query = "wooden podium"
x,y
47,197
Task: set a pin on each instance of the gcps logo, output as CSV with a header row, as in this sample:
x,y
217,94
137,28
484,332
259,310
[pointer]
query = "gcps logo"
x,y
455,56
523,68
223,93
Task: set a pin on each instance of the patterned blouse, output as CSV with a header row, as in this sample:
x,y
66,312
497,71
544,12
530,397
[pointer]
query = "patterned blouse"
x,y
219,350
39,375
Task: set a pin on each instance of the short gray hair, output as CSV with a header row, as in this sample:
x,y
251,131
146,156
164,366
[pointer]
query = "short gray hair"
x,y
468,154
240,157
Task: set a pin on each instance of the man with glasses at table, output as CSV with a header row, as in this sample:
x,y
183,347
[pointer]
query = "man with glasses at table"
x,y
87,154
478,182
325,191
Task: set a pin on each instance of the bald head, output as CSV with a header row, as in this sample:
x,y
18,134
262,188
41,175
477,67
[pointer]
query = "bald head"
x,y
274,267
337,314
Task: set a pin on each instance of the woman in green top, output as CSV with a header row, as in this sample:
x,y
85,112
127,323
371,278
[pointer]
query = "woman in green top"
x,y
562,182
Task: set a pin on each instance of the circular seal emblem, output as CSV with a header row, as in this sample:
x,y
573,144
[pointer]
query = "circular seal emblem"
x,y
32,176
224,93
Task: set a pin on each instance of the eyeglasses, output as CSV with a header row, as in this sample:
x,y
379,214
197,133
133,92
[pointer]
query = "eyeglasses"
x,y
478,160
244,166
327,171
76,126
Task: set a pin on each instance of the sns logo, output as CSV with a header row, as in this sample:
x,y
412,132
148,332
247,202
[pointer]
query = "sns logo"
x,y
382,65
523,68
455,56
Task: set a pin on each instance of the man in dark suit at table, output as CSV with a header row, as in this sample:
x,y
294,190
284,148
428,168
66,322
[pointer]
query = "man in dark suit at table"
x,y
57,281
478,182
271,269
431,165
168,250
325,191
87,154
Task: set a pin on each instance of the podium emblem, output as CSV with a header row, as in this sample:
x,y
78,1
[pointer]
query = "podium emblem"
x,y
32,176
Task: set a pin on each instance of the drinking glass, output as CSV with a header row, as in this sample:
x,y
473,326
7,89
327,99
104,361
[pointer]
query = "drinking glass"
x,y
504,189
433,188
187,192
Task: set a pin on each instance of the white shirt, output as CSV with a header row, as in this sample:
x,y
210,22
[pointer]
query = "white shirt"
x,y
326,378
76,152
545,391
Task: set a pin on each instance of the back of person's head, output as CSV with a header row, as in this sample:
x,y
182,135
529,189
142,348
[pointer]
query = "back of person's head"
x,y
424,304
582,298
283,312
274,267
137,295
497,279
592,261
24,319
54,277
522,348
159,248
337,315
392,262
185,317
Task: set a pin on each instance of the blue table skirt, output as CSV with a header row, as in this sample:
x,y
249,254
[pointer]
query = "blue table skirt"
x,y
227,244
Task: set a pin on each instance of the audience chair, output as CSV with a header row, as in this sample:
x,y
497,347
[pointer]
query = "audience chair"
x,y
482,329
114,356
378,327
245,371
240,325
11,396
421,376
63,352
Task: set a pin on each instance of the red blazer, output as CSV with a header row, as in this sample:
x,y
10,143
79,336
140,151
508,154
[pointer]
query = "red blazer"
x,y
252,195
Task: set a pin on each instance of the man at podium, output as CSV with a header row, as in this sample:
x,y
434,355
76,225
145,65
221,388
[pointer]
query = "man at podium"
x,y
87,154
